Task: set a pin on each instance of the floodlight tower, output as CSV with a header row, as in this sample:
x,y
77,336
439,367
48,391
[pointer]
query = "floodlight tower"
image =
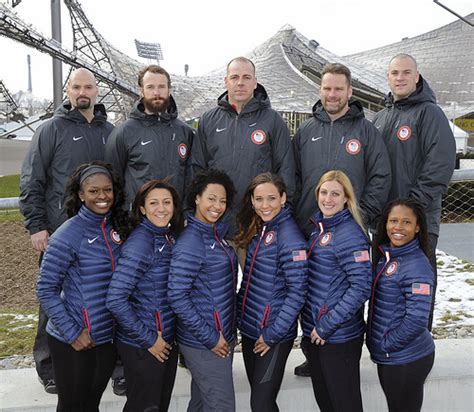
x,y
150,51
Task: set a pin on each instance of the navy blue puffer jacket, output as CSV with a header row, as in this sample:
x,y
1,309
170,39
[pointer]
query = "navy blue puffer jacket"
x,y
274,284
202,283
138,291
75,276
339,278
400,306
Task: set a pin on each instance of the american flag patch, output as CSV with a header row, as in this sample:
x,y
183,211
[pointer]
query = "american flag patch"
x,y
420,289
361,256
299,255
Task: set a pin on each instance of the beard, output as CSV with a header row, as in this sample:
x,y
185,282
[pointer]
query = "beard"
x,y
83,103
156,105
335,107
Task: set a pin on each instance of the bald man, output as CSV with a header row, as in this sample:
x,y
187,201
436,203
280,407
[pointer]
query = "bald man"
x,y
76,134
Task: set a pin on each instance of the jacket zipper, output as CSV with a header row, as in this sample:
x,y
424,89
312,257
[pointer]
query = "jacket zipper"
x,y
372,300
159,324
266,317
108,245
85,316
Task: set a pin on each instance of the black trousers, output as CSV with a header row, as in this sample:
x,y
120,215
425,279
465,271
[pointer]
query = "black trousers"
x,y
265,373
149,382
403,384
335,374
433,239
81,376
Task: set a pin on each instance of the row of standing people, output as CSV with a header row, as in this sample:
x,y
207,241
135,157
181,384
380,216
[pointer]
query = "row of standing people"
x,y
157,288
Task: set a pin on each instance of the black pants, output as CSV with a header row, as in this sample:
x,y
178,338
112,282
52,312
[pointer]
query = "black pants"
x,y
265,373
433,239
81,376
403,384
149,382
335,374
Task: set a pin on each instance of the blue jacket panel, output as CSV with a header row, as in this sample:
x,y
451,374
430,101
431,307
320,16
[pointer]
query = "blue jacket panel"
x,y
274,284
202,283
400,306
75,275
339,278
138,291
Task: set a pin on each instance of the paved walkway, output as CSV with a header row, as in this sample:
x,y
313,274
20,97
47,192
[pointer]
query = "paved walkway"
x,y
457,239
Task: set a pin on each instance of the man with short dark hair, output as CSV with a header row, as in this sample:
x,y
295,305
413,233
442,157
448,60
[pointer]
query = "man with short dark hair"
x,y
152,143
339,137
243,135
75,135
420,144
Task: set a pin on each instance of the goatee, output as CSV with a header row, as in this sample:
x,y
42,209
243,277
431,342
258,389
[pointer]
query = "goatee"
x,y
156,105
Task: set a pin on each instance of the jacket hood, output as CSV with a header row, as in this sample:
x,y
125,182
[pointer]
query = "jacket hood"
x,y
423,93
355,111
66,111
259,101
138,112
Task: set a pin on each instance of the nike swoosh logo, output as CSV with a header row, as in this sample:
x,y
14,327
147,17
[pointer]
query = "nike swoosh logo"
x,y
145,143
76,138
220,130
162,247
213,245
253,124
313,139
92,240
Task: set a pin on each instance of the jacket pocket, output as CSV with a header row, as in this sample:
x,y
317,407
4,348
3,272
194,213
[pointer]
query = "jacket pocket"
x,y
265,317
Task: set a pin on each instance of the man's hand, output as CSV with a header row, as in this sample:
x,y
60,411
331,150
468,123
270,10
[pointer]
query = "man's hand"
x,y
222,349
260,346
39,240
160,349
83,341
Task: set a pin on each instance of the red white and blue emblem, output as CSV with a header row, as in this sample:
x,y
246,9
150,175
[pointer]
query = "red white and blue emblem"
x,y
353,146
391,269
269,238
182,150
258,136
115,237
325,239
404,133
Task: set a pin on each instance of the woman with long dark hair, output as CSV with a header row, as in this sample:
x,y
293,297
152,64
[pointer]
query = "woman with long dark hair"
x,y
338,286
201,291
273,288
72,288
398,337
138,298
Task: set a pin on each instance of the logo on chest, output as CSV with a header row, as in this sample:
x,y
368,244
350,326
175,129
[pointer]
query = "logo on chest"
x,y
182,150
325,239
391,269
258,136
115,237
269,238
353,146
404,133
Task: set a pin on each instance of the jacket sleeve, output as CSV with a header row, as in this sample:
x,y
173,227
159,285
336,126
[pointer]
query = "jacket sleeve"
x,y
33,180
359,275
283,160
184,270
116,151
134,261
439,154
378,176
295,272
57,260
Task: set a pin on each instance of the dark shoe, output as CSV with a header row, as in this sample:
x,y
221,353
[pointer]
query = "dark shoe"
x,y
303,370
49,386
119,385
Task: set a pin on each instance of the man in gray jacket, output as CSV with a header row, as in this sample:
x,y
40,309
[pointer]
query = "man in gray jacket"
x,y
420,144
75,135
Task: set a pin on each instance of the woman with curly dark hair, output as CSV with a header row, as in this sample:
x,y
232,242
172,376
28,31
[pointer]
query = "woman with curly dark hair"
x,y
201,291
398,337
74,278
138,298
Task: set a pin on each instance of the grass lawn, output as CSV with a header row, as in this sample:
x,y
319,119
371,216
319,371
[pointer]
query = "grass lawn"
x,y
10,186
17,331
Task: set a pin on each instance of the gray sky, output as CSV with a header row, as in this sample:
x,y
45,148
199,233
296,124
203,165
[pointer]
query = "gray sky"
x,y
207,34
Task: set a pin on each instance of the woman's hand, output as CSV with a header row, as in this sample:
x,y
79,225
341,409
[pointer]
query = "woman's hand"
x,y
260,346
222,349
83,341
315,338
160,349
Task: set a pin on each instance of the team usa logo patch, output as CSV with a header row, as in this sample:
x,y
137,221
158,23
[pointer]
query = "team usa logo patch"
x,y
421,289
258,136
353,146
404,133
299,255
269,238
115,237
391,269
361,256
325,239
182,150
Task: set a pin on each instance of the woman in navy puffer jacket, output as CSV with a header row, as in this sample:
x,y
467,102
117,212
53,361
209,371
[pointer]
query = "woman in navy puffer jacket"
x,y
201,291
138,298
338,286
273,287
72,288
398,337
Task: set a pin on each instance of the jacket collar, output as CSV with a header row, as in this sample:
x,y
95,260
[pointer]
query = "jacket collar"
x,y
155,229
138,112
279,218
72,113
219,228
89,216
318,220
259,101
395,252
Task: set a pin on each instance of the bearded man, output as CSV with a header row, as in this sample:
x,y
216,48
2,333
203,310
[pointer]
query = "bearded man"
x,y
152,143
